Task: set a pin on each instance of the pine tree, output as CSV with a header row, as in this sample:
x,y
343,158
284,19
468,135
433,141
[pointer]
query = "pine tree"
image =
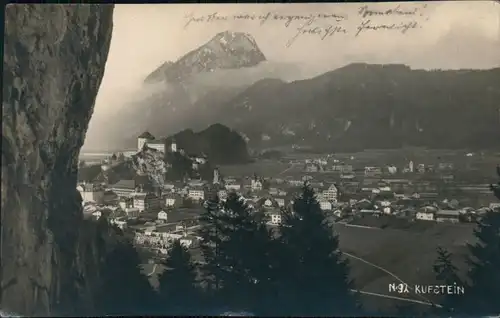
x,y
244,256
484,262
447,274
210,242
123,289
237,255
483,288
314,275
178,283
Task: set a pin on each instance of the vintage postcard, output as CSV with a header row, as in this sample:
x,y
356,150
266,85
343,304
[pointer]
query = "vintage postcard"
x,y
333,159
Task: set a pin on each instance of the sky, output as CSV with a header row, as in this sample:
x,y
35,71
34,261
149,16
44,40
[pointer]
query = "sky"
x,y
449,35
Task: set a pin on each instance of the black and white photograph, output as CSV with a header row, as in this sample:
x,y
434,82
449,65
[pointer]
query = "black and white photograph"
x,y
239,159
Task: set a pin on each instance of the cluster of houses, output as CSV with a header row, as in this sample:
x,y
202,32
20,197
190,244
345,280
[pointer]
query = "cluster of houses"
x,y
357,193
334,165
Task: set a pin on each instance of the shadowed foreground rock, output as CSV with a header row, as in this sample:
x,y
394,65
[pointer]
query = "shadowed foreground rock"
x,y
53,65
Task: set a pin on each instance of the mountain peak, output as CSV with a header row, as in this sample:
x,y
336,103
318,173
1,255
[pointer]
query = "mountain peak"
x,y
226,50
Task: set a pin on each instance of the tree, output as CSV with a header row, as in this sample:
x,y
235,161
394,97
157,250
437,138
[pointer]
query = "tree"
x,y
484,262
122,288
210,242
447,274
237,252
245,255
314,275
114,157
178,283
483,288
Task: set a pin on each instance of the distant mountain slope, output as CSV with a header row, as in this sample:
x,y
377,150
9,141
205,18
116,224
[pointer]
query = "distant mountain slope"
x,y
226,50
373,106
219,143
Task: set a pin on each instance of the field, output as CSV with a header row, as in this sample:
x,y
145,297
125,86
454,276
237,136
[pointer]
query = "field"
x,y
407,254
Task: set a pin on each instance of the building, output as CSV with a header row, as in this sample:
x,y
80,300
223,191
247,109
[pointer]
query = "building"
x,y
373,171
280,202
173,146
189,241
494,206
124,188
125,203
256,184
119,223
273,191
276,218
201,159
392,169
147,202
144,138
222,194
331,194
312,167
448,216
268,202
91,193
162,215
425,215
159,145
325,205
233,187
132,213
410,167
216,176
343,168
170,200
196,194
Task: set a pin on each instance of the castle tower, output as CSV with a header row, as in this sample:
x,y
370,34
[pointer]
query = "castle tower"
x,y
143,139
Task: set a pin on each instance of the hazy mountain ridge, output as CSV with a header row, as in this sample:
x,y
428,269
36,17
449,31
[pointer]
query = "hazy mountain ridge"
x,y
377,106
356,106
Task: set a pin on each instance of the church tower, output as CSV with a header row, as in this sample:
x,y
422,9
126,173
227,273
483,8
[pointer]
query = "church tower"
x,y
216,176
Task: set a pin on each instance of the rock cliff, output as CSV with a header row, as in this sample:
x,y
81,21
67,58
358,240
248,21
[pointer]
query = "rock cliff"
x,y
53,65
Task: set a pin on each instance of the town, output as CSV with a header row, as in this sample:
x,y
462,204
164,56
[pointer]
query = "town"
x,y
349,189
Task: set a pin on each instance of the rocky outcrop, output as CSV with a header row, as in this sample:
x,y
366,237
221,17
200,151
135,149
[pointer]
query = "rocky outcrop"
x,y
151,163
53,65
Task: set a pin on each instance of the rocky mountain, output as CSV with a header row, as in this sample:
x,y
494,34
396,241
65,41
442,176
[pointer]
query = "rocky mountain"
x,y
372,106
226,50
54,58
177,94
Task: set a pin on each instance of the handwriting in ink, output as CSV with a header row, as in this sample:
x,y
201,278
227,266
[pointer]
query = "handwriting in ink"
x,y
402,27
322,32
365,11
213,17
263,18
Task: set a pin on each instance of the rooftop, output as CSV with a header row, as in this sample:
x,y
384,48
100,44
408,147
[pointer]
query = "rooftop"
x,y
146,135
157,142
448,213
124,184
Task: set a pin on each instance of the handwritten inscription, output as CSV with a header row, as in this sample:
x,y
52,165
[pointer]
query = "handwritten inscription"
x,y
397,19
402,27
